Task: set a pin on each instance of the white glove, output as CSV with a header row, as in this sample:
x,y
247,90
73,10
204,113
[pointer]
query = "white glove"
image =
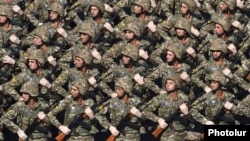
x,y
162,92
232,48
135,112
184,76
89,112
17,9
228,105
139,79
108,26
1,87
248,90
113,95
62,32
96,54
240,3
152,26
191,51
198,4
113,130
108,8
153,3
39,24
238,25
92,81
207,89
227,72
8,60
64,129
14,39
209,122
143,54
45,83
51,60
20,99
21,134
195,31
41,115
162,123
184,108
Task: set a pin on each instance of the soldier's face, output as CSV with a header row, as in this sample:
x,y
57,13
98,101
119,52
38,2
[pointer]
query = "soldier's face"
x,y
216,54
170,85
184,9
218,29
169,56
32,64
84,37
74,92
214,85
53,15
37,41
137,9
120,91
180,32
3,19
223,6
25,97
125,59
94,11
129,35
78,62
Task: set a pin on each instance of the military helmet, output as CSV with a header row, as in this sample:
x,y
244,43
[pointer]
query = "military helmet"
x,y
30,88
246,64
6,11
43,34
176,49
231,4
85,55
38,55
87,27
182,24
218,45
223,21
217,75
99,4
125,83
134,27
82,85
190,3
145,4
57,7
172,76
131,51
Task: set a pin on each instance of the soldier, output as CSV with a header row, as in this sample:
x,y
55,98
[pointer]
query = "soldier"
x,y
166,105
74,105
120,108
213,103
26,112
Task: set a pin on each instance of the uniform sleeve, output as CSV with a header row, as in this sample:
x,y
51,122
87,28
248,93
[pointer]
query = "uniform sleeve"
x,y
149,80
59,82
149,111
243,107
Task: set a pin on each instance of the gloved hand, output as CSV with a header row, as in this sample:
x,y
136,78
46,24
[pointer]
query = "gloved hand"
x,y
14,39
113,130
92,81
207,89
113,95
184,108
184,76
135,112
8,60
41,115
152,26
240,3
52,60
44,82
209,122
232,48
108,26
62,32
108,8
195,31
89,112
163,92
198,4
17,9
64,129
238,25
139,79
162,123
153,4
143,54
1,87
21,134
228,105
227,72
191,51
96,54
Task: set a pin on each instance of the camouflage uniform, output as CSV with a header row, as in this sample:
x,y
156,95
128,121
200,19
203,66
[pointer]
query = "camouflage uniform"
x,y
25,115
73,110
166,106
242,107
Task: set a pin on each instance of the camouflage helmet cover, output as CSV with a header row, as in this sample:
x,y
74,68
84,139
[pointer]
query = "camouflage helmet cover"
x,y
182,24
43,34
246,64
125,83
131,51
99,4
145,4
82,85
6,11
218,45
223,21
57,7
231,4
37,54
30,88
218,76
85,55
134,27
176,49
87,27
191,5
174,77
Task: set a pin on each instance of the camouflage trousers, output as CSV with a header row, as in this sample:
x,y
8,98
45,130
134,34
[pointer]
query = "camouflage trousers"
x,y
128,137
173,135
81,138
